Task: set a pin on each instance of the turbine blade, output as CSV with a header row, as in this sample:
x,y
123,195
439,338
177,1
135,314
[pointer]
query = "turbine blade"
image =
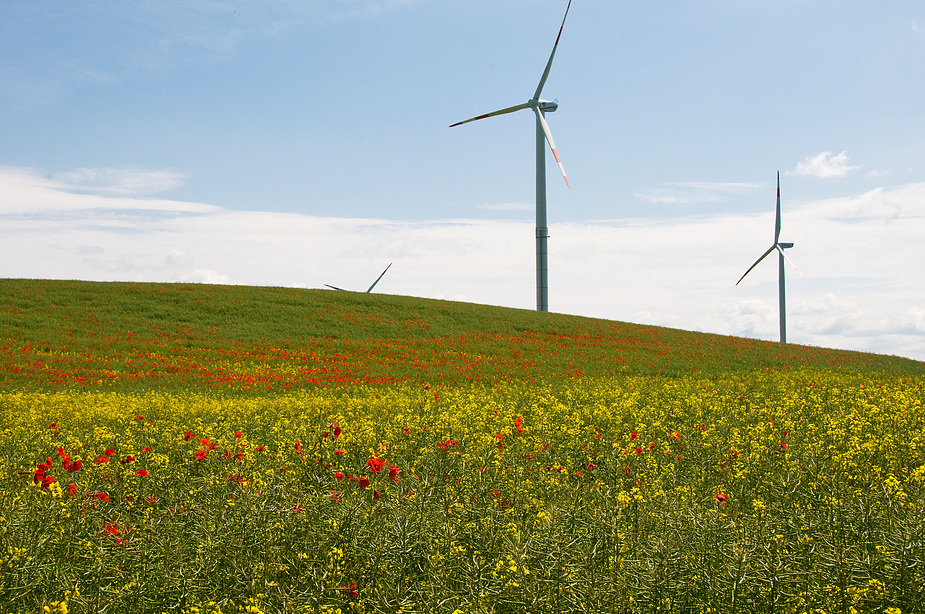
x,y
335,288
517,107
789,261
539,88
763,256
552,144
378,278
777,219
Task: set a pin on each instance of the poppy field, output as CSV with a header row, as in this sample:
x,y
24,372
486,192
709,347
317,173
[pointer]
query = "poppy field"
x,y
184,448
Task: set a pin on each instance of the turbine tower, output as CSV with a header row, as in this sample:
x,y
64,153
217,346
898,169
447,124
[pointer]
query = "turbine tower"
x,y
780,247
543,135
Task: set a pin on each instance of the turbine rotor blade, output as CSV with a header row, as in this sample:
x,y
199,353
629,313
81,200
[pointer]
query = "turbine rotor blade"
x,y
552,144
763,256
378,278
335,288
789,261
539,88
777,219
517,107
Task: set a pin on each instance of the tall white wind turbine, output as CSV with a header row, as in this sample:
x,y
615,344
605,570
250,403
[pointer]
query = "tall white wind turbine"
x,y
543,135
779,247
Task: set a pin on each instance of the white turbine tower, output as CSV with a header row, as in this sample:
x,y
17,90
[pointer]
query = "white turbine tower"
x,y
779,247
543,134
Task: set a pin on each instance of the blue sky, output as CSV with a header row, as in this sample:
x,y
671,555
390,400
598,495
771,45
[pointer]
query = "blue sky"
x,y
167,120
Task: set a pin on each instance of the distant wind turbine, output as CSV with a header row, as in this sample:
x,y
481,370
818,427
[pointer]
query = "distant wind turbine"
x,y
370,289
543,134
780,247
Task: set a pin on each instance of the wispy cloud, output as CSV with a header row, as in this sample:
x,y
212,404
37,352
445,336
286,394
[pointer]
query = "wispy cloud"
x,y
25,191
825,165
693,192
506,207
917,26
119,181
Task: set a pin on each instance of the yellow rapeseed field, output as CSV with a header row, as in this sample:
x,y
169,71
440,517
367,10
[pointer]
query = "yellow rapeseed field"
x,y
789,492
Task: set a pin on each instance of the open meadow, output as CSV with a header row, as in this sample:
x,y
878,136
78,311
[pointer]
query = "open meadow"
x,y
203,449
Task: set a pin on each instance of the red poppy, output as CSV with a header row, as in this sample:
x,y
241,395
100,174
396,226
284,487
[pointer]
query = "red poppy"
x,y
189,436
633,435
639,451
152,499
100,496
53,425
336,430
238,434
139,417
110,528
339,452
145,450
338,476
393,474
376,495
259,449
109,452
127,459
201,454
721,498
298,509
298,446
375,464
351,590
101,459
364,482
71,490
518,424
142,473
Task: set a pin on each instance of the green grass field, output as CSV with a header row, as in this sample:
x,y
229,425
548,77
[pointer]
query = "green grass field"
x,y
197,448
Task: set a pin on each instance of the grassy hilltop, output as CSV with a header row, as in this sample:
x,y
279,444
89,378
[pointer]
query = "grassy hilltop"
x,y
218,449
138,336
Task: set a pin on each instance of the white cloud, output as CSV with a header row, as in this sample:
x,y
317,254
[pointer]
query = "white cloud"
x,y
825,165
861,256
917,26
119,181
689,193
506,207
24,191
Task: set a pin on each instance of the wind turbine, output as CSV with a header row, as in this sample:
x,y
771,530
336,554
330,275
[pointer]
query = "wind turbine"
x,y
543,135
370,289
779,247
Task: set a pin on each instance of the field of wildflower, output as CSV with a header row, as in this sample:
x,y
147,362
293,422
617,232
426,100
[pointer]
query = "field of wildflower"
x,y
205,449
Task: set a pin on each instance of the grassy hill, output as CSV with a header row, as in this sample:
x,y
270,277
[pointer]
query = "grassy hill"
x,y
142,335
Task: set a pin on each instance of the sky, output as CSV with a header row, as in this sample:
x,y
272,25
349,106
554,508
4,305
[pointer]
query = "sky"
x,y
285,143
